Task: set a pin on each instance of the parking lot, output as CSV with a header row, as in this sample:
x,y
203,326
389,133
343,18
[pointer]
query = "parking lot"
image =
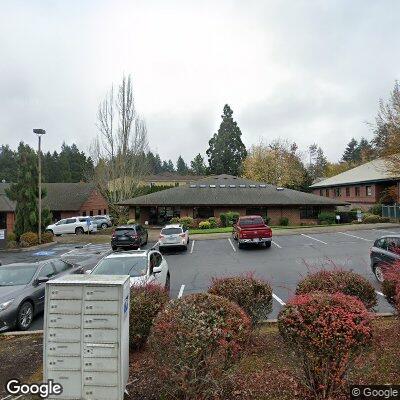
x,y
289,258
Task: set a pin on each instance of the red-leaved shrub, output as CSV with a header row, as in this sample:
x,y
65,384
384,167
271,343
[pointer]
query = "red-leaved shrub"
x,y
195,340
391,284
253,295
338,280
325,331
146,302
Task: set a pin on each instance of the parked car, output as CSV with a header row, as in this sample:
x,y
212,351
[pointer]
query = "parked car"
x,y
384,252
143,266
102,221
172,236
252,229
22,290
77,225
129,236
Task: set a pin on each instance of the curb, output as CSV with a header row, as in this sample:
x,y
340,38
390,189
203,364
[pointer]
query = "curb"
x,y
23,333
38,247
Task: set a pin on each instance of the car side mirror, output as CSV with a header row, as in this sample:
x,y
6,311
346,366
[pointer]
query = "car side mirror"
x,y
157,270
42,279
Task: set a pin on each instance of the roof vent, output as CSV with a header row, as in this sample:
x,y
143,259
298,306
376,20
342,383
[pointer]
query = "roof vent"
x,y
263,186
202,185
212,186
242,186
193,186
252,186
232,186
222,185
280,188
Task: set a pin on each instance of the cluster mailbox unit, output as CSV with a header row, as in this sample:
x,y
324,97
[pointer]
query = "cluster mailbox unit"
x,y
86,336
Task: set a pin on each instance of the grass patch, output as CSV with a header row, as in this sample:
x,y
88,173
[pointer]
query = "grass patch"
x,y
227,229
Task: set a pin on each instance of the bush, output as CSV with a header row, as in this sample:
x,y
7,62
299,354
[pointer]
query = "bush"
x,y
229,218
194,341
338,280
204,225
131,221
374,219
325,331
47,237
376,209
213,222
253,295
284,221
174,220
326,217
146,302
188,222
267,220
11,237
28,239
347,216
391,284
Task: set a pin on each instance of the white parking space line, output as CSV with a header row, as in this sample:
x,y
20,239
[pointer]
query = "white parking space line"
x,y
191,249
180,294
380,293
277,245
354,236
384,230
313,238
278,299
230,242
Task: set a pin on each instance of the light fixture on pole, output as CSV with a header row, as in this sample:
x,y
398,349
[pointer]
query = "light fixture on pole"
x,y
39,132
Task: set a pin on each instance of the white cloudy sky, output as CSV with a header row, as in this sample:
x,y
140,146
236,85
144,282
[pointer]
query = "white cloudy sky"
x,y
305,70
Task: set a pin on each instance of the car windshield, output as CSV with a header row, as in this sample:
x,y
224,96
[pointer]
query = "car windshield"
x,y
14,275
133,266
251,221
171,231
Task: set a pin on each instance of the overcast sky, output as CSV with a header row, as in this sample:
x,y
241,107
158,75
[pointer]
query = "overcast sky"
x,y
309,71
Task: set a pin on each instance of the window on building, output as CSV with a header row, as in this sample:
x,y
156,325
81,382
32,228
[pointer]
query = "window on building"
x,y
368,190
105,211
84,213
3,220
261,211
152,184
357,191
91,213
203,212
327,192
176,183
309,212
347,192
321,192
337,191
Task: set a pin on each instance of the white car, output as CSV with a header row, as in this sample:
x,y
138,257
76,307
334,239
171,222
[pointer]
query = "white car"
x,y
77,225
173,235
143,266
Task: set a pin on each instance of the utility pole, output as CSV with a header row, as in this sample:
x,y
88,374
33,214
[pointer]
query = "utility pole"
x,y
39,132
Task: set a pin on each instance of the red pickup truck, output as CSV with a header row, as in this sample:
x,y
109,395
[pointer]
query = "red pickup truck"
x,y
252,229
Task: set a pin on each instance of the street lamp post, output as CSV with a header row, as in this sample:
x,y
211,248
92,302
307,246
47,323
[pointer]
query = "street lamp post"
x,y
39,132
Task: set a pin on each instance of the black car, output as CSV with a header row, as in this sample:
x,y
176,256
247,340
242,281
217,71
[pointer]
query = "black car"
x,y
22,290
129,236
384,252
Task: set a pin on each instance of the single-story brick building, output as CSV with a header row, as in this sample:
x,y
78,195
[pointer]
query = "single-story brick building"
x,y
62,199
362,186
213,195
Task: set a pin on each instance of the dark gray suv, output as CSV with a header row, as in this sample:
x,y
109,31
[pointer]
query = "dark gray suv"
x,y
22,288
384,252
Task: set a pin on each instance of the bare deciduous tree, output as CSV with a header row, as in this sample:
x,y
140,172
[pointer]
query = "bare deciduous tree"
x,y
120,146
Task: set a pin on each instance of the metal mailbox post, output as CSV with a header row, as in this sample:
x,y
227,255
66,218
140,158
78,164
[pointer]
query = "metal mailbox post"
x,y
86,336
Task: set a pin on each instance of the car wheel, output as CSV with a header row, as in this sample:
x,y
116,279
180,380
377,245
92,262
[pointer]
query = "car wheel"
x,y
168,283
185,247
378,271
114,248
49,231
79,231
25,316
240,245
104,226
267,245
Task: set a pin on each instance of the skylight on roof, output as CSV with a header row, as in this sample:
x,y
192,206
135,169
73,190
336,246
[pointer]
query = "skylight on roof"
x,y
263,186
212,186
242,186
202,185
252,186
232,186
193,186
222,185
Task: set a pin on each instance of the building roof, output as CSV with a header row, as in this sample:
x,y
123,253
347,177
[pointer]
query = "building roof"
x,y
373,171
60,196
169,176
229,190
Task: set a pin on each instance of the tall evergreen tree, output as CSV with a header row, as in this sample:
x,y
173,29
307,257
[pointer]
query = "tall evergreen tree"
x,y
181,166
365,151
226,150
25,193
8,164
350,154
157,164
170,166
197,165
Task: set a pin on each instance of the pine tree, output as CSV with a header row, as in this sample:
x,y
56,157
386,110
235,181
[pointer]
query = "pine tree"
x,y
8,164
365,151
226,150
170,166
181,166
351,155
197,165
157,164
25,193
